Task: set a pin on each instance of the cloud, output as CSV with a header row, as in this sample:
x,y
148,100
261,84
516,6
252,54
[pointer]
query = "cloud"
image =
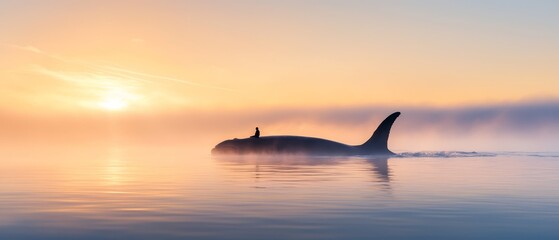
x,y
113,71
130,73
29,49
87,79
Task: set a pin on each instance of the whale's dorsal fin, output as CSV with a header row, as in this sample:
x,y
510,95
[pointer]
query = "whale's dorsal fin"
x,y
379,141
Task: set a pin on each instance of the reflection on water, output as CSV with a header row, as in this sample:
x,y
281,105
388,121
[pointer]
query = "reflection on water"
x,y
171,194
296,166
115,171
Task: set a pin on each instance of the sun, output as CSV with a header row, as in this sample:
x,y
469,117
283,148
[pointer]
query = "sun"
x,y
113,104
115,99
112,94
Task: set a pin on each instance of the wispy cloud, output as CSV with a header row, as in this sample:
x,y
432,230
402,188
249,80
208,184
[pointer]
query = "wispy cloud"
x,y
36,50
28,48
108,70
87,79
130,73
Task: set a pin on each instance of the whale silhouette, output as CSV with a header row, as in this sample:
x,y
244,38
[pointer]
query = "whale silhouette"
x,y
376,145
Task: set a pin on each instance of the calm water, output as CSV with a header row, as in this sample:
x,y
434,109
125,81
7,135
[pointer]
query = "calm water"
x,y
167,193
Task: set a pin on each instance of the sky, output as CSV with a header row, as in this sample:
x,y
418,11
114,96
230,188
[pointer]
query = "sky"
x,y
162,68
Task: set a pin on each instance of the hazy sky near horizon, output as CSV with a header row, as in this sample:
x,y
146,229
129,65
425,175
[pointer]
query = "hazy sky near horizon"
x,y
170,55
158,66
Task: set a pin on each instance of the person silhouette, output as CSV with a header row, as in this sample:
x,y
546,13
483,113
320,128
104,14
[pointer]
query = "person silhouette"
x,y
256,134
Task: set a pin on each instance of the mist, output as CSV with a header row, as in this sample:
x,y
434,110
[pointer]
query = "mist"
x,y
524,126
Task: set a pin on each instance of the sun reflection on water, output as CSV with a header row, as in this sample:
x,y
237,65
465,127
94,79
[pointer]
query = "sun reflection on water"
x,y
115,170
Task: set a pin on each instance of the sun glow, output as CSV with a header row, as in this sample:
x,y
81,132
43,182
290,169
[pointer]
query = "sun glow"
x,y
116,98
113,104
115,94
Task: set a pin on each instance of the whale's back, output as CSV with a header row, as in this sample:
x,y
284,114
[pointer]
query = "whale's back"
x,y
377,144
282,144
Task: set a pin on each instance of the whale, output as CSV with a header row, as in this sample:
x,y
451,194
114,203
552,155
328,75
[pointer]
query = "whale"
x,y
377,144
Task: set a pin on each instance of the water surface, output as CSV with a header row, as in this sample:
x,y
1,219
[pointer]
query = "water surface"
x,y
170,193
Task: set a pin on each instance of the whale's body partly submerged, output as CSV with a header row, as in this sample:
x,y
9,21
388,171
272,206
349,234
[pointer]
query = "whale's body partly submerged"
x,y
376,145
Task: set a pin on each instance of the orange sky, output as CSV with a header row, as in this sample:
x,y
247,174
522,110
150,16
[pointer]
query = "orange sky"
x,y
158,56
